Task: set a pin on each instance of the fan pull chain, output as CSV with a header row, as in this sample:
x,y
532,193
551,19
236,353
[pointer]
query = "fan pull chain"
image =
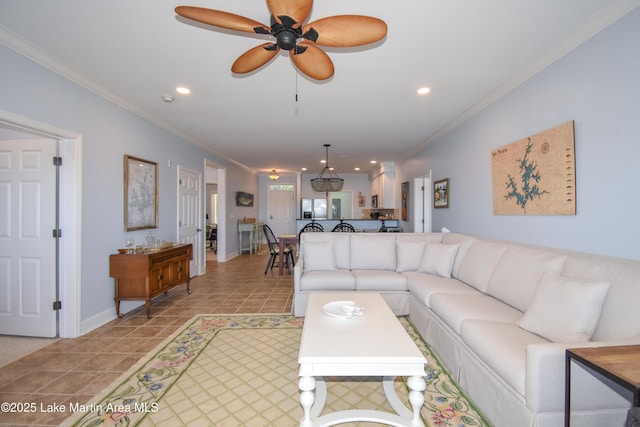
x,y
296,86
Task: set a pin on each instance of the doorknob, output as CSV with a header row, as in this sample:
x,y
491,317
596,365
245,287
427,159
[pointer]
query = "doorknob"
x,y
199,230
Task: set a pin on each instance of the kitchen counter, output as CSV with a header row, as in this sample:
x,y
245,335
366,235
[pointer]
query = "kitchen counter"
x,y
369,225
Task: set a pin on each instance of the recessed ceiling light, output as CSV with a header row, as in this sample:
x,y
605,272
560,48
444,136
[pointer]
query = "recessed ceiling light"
x,y
323,161
373,162
356,169
183,90
423,91
304,169
167,98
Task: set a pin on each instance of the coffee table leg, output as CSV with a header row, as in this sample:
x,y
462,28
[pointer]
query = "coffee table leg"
x,y
306,386
417,385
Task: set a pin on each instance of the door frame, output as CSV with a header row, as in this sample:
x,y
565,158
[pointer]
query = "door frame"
x,y
70,219
220,179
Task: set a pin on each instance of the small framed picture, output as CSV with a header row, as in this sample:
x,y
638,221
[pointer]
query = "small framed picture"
x,y
441,193
374,201
404,191
244,199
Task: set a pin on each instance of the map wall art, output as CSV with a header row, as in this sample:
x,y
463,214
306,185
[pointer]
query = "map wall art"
x,y
536,175
140,194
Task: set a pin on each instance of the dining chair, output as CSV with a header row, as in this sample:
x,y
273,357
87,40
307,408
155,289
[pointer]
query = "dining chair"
x,y
274,251
312,227
343,227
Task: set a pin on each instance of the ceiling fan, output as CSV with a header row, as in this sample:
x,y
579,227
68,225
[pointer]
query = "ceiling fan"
x,y
287,17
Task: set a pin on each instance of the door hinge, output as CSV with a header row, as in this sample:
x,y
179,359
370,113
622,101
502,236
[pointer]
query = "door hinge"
x,y
57,305
57,161
57,233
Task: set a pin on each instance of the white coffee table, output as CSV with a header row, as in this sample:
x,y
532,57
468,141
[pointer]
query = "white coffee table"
x,y
373,345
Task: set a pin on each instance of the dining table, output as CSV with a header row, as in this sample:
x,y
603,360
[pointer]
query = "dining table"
x,y
283,240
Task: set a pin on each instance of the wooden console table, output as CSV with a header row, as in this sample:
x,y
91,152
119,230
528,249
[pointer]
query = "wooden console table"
x,y
620,364
145,275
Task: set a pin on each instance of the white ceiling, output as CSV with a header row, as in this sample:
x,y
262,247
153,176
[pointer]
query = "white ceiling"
x,y
468,52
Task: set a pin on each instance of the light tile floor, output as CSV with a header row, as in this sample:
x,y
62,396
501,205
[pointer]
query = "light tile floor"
x,y
73,370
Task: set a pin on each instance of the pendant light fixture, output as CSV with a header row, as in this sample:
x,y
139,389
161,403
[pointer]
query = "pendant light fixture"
x,y
327,180
273,175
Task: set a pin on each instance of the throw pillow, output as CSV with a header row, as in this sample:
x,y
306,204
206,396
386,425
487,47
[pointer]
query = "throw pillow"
x,y
409,254
565,309
319,256
438,259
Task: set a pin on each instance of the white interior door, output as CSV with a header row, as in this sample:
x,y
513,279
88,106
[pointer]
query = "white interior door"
x,y
282,211
422,197
27,246
189,225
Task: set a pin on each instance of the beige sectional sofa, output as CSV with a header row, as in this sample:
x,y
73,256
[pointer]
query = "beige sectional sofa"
x,y
500,315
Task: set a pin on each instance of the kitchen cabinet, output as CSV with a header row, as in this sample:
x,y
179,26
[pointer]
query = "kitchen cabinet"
x,y
383,185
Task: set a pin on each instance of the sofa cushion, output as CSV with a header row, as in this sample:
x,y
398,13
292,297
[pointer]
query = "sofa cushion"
x,y
438,259
462,251
502,346
423,286
379,280
565,309
409,254
319,256
340,246
335,280
373,252
454,309
419,237
518,274
479,263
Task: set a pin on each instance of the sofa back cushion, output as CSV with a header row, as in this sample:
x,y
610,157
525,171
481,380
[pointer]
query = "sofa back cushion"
x,y
518,273
340,244
479,262
620,318
438,259
373,251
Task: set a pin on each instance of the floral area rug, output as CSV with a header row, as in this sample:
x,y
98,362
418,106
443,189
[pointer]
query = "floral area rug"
x,y
243,371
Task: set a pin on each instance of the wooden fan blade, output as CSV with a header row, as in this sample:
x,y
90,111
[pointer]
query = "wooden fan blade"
x,y
220,19
254,58
296,9
313,61
347,30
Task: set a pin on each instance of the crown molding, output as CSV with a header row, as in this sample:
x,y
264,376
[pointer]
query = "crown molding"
x,y
29,50
592,26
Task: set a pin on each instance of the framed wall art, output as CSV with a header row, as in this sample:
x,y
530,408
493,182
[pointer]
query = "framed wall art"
x,y
536,175
140,194
404,191
244,199
441,193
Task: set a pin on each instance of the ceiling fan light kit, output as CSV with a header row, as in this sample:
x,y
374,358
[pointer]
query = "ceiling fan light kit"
x,y
327,181
301,41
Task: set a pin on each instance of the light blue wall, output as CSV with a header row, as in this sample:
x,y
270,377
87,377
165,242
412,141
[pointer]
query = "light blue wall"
x,y
108,132
598,86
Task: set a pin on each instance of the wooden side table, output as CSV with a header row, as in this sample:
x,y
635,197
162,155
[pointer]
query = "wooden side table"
x,y
620,364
